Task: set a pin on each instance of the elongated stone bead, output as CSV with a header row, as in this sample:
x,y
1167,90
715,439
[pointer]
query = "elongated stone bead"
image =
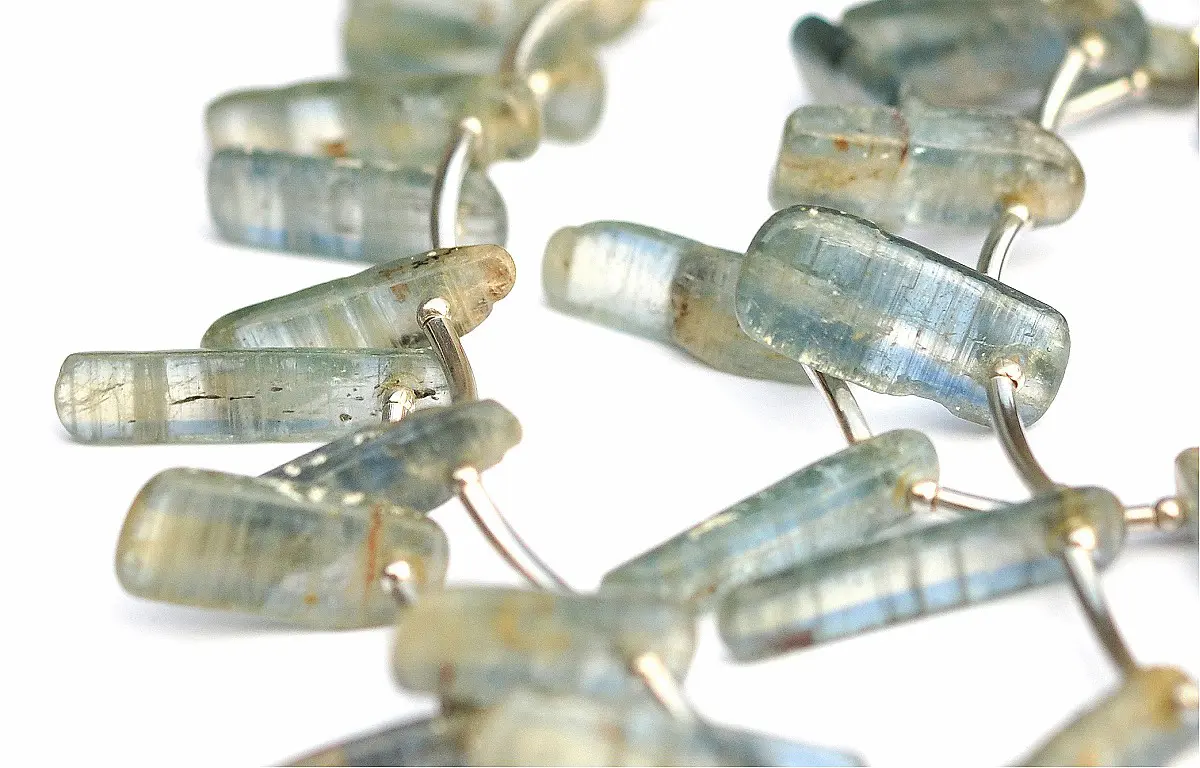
x,y
1142,722
432,741
836,503
1173,64
1187,488
953,53
411,463
295,553
375,308
661,286
531,729
836,292
473,645
915,574
384,37
342,208
924,165
210,396
410,118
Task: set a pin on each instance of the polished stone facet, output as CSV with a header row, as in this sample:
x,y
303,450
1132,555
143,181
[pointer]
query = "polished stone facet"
x,y
212,396
376,308
838,502
530,729
385,37
473,645
430,741
294,553
915,574
342,208
924,165
411,463
1187,488
409,118
834,291
661,286
1142,722
953,53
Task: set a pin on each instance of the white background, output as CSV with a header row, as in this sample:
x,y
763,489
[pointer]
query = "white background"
x,y
109,246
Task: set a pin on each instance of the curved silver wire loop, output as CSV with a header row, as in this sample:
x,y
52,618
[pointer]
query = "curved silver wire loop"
x,y
435,320
1135,85
1079,57
1085,580
509,545
518,57
1002,402
448,182
503,538
843,403
1000,239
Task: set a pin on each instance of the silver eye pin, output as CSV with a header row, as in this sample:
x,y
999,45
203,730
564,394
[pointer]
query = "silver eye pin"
x,y
440,331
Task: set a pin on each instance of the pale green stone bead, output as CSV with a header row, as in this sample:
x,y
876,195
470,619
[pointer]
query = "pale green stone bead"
x,y
838,502
1140,723
1187,488
340,208
211,396
410,117
376,308
299,554
532,729
836,292
924,165
473,645
411,463
975,53
918,573
430,741
1173,64
384,37
661,286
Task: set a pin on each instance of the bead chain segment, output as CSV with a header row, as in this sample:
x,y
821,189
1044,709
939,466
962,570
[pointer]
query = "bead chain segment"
x,y
338,538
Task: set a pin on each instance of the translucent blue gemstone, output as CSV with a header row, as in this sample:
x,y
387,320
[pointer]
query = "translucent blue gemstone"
x,y
836,292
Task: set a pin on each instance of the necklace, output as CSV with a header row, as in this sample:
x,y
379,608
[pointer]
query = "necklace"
x,y
481,369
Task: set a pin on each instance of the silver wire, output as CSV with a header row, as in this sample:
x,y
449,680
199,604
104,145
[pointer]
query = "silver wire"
x,y
1079,57
448,182
435,320
1000,239
503,538
518,57
509,544
843,403
1002,402
1132,87
1081,567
